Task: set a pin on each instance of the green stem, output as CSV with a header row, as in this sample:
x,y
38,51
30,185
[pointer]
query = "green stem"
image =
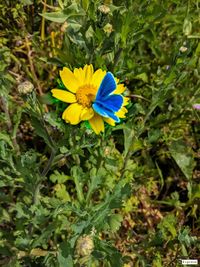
x,y
79,189
49,163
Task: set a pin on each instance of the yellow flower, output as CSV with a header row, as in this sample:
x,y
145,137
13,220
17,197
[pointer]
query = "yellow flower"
x,y
82,86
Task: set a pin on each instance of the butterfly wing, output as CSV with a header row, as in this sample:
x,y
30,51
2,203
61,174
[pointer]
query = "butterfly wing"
x,y
104,112
112,102
107,86
105,104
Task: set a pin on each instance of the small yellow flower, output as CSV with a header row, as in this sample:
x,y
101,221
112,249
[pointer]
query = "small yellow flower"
x,y
82,86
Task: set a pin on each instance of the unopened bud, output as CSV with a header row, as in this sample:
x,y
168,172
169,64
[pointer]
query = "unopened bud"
x,y
108,28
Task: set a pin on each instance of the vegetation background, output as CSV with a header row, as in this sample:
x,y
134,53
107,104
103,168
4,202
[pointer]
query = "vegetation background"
x,y
129,197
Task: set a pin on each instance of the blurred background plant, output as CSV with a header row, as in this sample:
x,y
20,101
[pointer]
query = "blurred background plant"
x,y
129,197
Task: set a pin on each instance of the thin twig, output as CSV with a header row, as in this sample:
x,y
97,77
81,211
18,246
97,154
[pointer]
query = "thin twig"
x,y
50,7
18,77
43,22
141,97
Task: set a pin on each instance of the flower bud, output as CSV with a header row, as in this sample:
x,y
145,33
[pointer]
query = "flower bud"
x,y
108,28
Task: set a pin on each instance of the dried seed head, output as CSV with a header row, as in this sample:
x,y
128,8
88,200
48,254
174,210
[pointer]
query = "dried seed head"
x,y
104,9
84,246
25,88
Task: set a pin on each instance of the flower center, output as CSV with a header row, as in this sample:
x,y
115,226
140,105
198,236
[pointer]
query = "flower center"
x,y
85,95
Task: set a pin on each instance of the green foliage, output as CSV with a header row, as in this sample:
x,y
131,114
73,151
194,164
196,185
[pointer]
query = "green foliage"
x,y
130,196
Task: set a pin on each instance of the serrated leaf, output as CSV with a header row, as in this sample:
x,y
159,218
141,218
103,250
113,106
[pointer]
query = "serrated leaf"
x,y
62,193
59,178
114,221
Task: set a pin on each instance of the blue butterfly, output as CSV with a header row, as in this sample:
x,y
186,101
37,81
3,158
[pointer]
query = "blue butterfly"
x,y
106,104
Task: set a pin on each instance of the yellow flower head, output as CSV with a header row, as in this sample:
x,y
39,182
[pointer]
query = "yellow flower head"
x,y
93,96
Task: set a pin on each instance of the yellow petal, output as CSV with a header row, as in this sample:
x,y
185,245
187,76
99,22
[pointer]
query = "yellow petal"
x,y
88,69
97,78
69,80
64,96
121,113
97,123
72,114
80,75
87,114
125,100
120,89
109,121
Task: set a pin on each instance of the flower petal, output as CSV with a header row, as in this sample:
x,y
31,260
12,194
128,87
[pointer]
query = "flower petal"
x,y
64,96
87,114
126,100
98,77
69,80
88,69
121,113
80,75
109,121
196,106
72,114
97,123
120,89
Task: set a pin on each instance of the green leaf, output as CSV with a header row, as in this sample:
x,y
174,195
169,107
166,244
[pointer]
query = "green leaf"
x,y
183,156
61,16
58,16
59,178
168,225
65,255
128,138
6,138
27,2
41,131
114,221
62,193
104,250
142,76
